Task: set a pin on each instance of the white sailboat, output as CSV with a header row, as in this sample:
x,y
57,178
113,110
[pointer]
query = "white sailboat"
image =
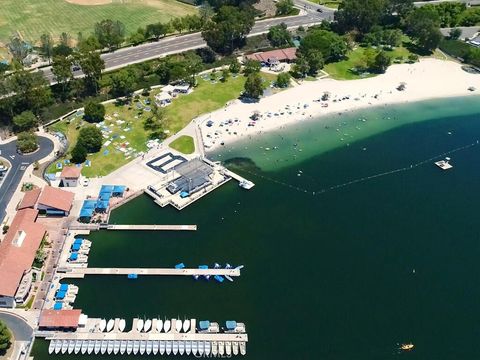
x,y
162,347
91,346
221,348
140,325
155,347
243,348
121,325
136,346
103,325
58,346
181,347
188,347
208,348
143,346
166,326
201,348
116,347
110,346
98,345
64,346
168,350
159,325
178,325
71,346
147,326
194,347
123,346
186,325
103,346
84,348
149,347
214,348
235,347
110,325
228,348
78,346
129,347
175,347
51,346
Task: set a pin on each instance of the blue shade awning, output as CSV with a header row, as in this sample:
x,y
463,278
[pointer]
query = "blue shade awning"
x,y
119,189
102,205
76,247
86,213
73,256
180,266
204,324
60,295
63,287
58,306
231,325
106,188
89,204
78,241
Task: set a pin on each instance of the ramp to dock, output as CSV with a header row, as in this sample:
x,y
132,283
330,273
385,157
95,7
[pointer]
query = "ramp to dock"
x,y
80,272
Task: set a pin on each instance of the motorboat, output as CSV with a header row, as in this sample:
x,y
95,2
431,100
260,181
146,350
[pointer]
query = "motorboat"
x,y
168,349
103,325
110,345
148,350
155,347
84,347
91,346
188,347
408,347
221,348
98,345
147,326
194,347
129,347
166,325
121,325
243,348
116,347
228,348
103,346
181,347
110,325
136,346
235,347
162,347
175,347
159,325
178,325
78,346
214,348
444,165
208,348
64,346
140,325
143,347
58,346
71,346
201,348
228,266
186,325
246,184
217,266
51,346
123,346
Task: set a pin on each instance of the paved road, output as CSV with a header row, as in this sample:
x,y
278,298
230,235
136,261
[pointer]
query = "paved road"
x,y
177,44
20,328
19,164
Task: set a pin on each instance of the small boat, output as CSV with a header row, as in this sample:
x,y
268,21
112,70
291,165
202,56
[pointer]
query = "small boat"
x,y
103,346
136,346
51,346
110,344
194,347
147,326
188,347
121,325
123,346
58,346
64,346
228,266
168,350
84,348
219,278
175,347
178,325
91,346
201,348
181,347
155,347
71,346
214,348
186,325
143,347
217,266
129,347
246,184
166,325
243,348
204,267
116,347
110,325
221,348
140,325
159,325
162,347
444,165
235,347
98,345
229,278
132,276
406,347
228,348
196,277
78,346
103,325
208,348
149,348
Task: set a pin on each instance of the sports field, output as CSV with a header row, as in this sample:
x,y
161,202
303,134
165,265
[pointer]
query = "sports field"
x,y
31,18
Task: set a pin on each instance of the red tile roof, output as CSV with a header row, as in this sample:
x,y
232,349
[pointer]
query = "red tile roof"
x,y
56,198
278,54
29,199
16,259
59,318
71,172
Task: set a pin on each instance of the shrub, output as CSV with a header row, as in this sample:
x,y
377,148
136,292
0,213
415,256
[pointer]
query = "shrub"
x,y
94,112
283,80
27,142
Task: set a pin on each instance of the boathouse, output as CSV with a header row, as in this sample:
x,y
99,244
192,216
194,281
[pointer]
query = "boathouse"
x,y
55,202
62,320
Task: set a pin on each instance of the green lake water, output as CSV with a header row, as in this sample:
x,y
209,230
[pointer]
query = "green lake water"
x,y
343,274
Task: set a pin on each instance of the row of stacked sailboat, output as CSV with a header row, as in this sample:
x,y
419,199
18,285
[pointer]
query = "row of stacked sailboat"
x,y
168,347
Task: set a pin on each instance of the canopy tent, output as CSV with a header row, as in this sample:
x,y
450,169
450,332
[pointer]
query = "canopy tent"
x,y
63,287
106,188
86,213
89,204
180,266
204,324
105,196
118,190
102,205
231,325
60,295
78,241
73,256
76,247
58,305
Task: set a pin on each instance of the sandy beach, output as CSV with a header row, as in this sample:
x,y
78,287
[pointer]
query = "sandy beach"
x,y
426,79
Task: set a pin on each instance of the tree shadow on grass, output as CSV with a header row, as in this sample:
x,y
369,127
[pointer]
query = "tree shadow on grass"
x,y
415,49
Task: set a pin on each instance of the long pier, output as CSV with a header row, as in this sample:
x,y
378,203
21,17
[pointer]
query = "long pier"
x,y
153,227
81,272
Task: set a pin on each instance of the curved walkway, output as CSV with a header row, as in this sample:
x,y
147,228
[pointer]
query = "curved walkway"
x,y
18,325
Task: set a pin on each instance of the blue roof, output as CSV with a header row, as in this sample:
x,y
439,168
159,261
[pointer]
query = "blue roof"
x,y
204,324
89,204
106,188
86,212
180,266
231,325
73,256
105,196
76,247
58,306
102,204
63,287
60,295
119,189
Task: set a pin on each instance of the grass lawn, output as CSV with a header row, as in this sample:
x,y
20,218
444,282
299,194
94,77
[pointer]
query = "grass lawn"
x,y
183,144
333,4
31,18
123,125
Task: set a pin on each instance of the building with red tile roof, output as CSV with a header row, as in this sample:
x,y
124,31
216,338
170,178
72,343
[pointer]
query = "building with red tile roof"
x,y
54,201
17,253
274,56
70,176
29,199
59,319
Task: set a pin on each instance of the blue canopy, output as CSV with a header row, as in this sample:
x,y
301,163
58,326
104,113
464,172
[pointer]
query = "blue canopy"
x,y
219,278
180,266
231,325
204,324
89,204
119,189
106,188
203,266
60,295
86,213
105,196
102,204
76,247
63,287
58,306
78,241
184,194
73,256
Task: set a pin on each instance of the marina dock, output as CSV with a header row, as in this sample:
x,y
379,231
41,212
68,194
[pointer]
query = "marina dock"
x,y
81,272
153,227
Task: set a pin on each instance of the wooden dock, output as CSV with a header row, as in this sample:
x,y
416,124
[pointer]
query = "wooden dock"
x,y
81,272
153,227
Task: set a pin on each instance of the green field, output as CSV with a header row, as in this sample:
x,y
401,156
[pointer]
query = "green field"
x,y
183,144
31,18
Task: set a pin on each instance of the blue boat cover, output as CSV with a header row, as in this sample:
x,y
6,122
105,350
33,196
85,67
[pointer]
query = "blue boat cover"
x,y
119,189
106,188
58,306
89,204
180,266
184,194
87,213
105,196
73,256
204,324
231,325
203,266
60,295
102,204
219,278
78,241
63,287
76,247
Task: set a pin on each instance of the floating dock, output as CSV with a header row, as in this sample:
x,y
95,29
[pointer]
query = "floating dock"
x,y
153,227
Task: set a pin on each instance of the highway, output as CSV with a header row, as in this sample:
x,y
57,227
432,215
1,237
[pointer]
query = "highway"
x,y
176,44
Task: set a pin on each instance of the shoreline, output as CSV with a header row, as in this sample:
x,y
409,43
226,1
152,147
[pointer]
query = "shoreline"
x,y
427,79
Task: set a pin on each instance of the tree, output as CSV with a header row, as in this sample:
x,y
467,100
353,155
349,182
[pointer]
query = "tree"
x,y
92,66
46,45
251,67
278,35
156,30
18,48
31,90
254,86
455,33
192,22
122,82
5,337
90,137
360,15
89,44
137,37
206,12
301,67
110,33
27,142
178,24
62,50
234,66
65,39
193,65
315,61
62,69
225,74
400,7
423,25
284,7
94,112
283,80
332,46
228,28
24,121
79,154
382,62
